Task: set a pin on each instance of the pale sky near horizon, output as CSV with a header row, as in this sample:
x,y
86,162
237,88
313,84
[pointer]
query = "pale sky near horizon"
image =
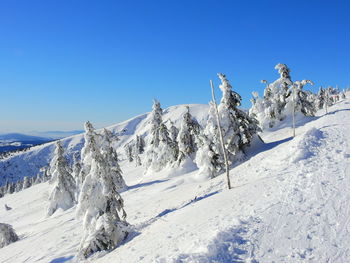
x,y
65,62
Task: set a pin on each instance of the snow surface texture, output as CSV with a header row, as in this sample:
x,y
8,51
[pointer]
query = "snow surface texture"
x,y
289,203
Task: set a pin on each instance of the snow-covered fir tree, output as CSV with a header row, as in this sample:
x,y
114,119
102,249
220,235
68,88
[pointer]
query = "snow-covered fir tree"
x,y
238,131
321,98
76,165
140,144
301,100
64,187
19,186
237,126
7,235
160,151
129,153
90,138
111,157
186,137
209,156
207,159
100,204
277,104
26,182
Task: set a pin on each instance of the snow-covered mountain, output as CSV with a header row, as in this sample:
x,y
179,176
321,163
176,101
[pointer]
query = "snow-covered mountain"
x,y
289,203
29,163
17,141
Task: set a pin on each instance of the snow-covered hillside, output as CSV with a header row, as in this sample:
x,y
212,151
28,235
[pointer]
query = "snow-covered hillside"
x,y
29,163
289,203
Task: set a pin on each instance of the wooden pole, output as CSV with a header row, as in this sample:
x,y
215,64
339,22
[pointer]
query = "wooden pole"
x,y
221,136
293,94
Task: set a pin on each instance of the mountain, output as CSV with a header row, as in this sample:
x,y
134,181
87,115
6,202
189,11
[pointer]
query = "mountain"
x,y
29,163
18,141
289,202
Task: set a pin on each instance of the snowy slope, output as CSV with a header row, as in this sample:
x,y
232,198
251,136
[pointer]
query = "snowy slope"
x,y
289,203
29,163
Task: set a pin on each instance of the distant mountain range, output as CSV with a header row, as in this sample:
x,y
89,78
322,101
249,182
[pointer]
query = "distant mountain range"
x,y
18,141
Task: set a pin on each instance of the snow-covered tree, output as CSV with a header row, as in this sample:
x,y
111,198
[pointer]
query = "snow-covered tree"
x,y
99,201
159,151
64,187
140,144
76,166
209,156
237,126
90,138
238,130
19,186
38,179
26,182
321,98
301,100
7,235
111,158
207,159
128,148
186,136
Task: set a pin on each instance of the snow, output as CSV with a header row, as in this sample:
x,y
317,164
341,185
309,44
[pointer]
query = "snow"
x,y
289,203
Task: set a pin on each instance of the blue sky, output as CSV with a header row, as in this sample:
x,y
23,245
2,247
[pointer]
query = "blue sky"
x,y
65,62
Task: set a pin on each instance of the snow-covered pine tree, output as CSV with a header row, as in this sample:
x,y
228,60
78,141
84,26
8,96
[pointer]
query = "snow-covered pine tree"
x,y
76,165
99,201
152,150
38,179
26,182
64,187
209,157
111,157
186,137
7,235
321,98
11,188
173,131
156,120
280,92
301,100
90,138
237,126
19,186
140,144
129,153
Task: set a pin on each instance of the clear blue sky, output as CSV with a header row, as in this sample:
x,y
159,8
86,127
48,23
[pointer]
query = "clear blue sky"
x,y
65,62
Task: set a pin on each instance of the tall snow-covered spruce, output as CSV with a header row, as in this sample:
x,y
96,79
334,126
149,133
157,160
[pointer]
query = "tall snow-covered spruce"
x,y
186,137
160,151
100,204
238,131
64,187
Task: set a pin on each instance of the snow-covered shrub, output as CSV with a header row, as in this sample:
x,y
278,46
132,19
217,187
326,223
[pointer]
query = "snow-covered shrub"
x,y
64,187
7,235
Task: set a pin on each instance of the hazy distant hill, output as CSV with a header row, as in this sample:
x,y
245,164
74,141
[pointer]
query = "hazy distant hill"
x,y
17,141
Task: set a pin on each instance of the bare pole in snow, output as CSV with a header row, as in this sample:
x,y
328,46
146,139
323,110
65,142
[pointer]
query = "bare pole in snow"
x,y
327,97
221,137
293,99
